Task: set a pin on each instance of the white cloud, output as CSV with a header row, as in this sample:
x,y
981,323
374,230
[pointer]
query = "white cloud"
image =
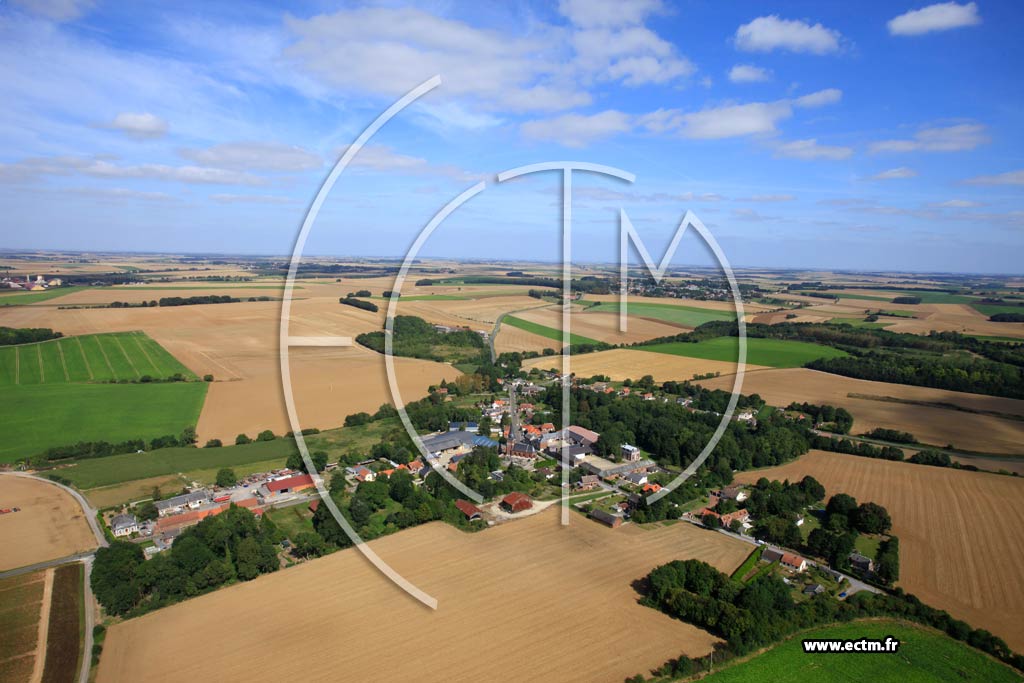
x,y
735,121
939,17
34,168
383,159
251,199
1008,178
590,13
633,54
956,204
752,216
810,149
820,98
746,73
895,173
250,156
141,126
577,130
765,34
57,10
768,198
965,136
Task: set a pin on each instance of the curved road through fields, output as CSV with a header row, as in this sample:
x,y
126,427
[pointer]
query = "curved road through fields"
x,y
85,558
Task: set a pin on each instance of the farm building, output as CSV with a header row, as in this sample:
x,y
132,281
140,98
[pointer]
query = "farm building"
x,y
472,512
516,502
732,493
788,560
588,482
280,487
190,501
861,563
124,525
614,521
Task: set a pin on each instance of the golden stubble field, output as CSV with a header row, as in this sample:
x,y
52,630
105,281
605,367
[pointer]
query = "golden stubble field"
x,y
961,533
50,525
620,364
528,600
602,326
984,433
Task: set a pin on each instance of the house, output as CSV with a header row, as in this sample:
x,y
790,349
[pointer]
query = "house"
x,y
584,436
472,512
588,482
652,488
614,521
630,452
314,505
522,449
637,478
794,562
814,589
733,493
516,502
361,473
770,555
463,426
178,504
285,485
861,563
648,396
124,525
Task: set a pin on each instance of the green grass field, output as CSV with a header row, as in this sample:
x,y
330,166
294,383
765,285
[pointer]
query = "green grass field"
x,y
687,316
46,415
773,353
926,297
545,331
16,298
924,656
993,309
429,297
87,358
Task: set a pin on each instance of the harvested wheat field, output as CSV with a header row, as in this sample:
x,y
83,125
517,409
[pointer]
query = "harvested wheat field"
x,y
956,318
620,364
238,345
912,409
602,326
49,525
961,533
478,313
23,601
728,306
515,339
508,598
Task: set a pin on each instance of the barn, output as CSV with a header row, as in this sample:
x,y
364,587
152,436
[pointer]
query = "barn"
x,y
516,502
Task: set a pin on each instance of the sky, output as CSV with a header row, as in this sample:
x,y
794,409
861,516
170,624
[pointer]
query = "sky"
x,y
873,136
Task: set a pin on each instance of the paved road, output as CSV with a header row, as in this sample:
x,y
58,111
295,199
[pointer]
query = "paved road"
x,y
78,557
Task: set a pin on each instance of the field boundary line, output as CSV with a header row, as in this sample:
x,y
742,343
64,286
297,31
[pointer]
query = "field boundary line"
x,y
42,370
127,357
63,363
146,354
85,358
44,627
103,352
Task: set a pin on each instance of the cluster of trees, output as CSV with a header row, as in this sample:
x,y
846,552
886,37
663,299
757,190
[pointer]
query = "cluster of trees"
x,y
840,419
26,335
359,303
99,449
776,505
1007,318
364,293
205,299
894,435
232,546
842,522
763,612
906,300
414,337
850,447
932,457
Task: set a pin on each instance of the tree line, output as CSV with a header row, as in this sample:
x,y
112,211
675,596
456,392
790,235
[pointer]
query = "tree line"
x,y
9,336
351,300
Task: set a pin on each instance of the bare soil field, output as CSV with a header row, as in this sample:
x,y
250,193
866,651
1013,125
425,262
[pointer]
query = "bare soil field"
x,y
931,424
508,597
961,535
603,326
238,345
51,523
21,603
620,364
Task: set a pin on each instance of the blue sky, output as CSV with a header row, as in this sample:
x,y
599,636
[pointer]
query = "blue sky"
x,y
885,135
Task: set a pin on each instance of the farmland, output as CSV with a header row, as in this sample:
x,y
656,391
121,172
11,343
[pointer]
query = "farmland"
x,y
87,358
48,415
599,326
50,525
64,634
620,364
924,656
935,416
961,540
497,599
545,331
24,298
775,353
21,601
676,314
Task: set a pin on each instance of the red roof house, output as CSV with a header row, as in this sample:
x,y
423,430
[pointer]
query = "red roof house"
x,y
516,502
471,511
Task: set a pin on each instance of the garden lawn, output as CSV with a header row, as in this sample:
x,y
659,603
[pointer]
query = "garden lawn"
x,y
924,656
774,353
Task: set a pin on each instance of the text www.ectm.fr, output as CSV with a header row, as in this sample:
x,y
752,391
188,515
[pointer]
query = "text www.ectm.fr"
x,y
887,644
